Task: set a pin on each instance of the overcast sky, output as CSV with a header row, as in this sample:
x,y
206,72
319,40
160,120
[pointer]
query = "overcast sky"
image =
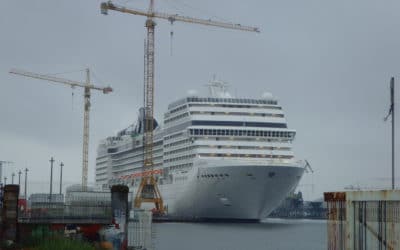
x,y
328,62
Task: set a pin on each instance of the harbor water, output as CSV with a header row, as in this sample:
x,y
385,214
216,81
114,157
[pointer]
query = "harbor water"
x,y
274,234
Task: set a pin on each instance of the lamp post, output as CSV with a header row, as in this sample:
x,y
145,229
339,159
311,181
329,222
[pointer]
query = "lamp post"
x,y
51,177
26,181
61,170
19,177
391,113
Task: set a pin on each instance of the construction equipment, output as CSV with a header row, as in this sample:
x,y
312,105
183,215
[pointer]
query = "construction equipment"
x,y
307,167
2,164
87,86
148,190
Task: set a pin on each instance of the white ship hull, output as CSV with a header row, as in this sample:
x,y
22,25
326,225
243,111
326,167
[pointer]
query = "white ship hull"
x,y
237,190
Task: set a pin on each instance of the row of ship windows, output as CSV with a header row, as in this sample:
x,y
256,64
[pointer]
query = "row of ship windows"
x,y
181,166
248,156
136,159
235,106
129,171
180,158
173,136
138,153
130,158
221,100
221,113
100,174
242,147
236,132
213,175
177,143
140,161
180,150
128,146
101,179
139,142
176,117
235,113
230,105
244,139
178,109
101,164
225,147
231,100
239,124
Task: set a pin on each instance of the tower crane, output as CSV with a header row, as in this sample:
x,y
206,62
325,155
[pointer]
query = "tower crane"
x,y
87,86
148,190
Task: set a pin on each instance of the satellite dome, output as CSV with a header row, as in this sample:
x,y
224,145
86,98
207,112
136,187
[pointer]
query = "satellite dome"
x,y
192,92
267,95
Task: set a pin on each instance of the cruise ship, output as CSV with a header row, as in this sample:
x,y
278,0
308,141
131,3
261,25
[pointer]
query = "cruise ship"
x,y
215,158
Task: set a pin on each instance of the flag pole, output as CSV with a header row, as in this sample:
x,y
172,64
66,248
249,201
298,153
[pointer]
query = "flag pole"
x,y
392,109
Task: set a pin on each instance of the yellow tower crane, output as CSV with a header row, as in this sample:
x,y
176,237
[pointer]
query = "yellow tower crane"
x,y
87,86
148,190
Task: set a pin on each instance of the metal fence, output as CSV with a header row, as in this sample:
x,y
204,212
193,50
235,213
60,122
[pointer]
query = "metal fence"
x,y
376,224
140,230
60,213
363,220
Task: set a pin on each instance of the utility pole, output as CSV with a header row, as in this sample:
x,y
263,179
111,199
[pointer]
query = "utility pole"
x,y
19,181
26,181
391,113
61,165
19,177
392,106
12,178
51,177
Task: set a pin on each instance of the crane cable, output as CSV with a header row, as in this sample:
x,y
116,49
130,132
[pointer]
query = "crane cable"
x,y
72,95
171,37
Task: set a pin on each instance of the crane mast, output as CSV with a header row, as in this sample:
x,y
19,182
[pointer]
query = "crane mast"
x,y
148,189
87,86
85,146
149,91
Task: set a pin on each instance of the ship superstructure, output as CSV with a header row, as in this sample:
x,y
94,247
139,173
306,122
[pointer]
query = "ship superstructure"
x,y
216,157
